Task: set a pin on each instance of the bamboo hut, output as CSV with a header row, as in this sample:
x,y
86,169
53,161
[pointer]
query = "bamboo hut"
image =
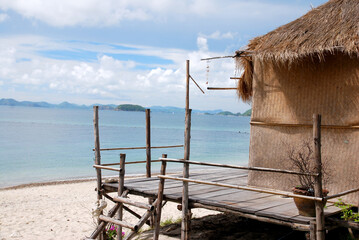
x,y
310,65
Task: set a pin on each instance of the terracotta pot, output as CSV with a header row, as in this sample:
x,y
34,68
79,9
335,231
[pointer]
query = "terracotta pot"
x,y
306,207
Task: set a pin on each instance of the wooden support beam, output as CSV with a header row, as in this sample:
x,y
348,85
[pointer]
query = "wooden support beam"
x,y
148,143
119,223
313,231
295,226
141,222
238,167
124,207
133,203
196,84
97,151
342,193
221,88
318,191
121,188
187,85
107,168
186,213
97,157
137,148
111,213
134,162
253,189
161,187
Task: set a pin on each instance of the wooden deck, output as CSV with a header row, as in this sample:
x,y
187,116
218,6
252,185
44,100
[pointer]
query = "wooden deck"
x,y
261,206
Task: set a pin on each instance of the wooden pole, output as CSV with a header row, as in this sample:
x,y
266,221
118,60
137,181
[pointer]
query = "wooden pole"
x,y
148,156
186,213
136,148
103,224
187,85
97,151
121,188
148,143
318,191
97,158
161,187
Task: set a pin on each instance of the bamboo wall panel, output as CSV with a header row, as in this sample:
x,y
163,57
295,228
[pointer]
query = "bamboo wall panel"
x,y
292,96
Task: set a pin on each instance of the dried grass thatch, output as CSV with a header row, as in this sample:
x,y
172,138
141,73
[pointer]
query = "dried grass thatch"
x,y
331,28
244,87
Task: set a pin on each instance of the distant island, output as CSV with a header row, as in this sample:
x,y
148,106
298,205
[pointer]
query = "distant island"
x,y
122,107
227,113
130,107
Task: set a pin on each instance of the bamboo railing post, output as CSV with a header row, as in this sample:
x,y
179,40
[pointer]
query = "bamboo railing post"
x,y
148,143
187,85
161,186
186,212
97,157
148,155
318,191
121,188
97,151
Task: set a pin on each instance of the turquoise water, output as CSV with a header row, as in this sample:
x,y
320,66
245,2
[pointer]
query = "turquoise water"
x,y
40,144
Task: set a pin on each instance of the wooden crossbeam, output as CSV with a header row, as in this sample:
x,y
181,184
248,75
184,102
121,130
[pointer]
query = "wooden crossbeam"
x,y
221,88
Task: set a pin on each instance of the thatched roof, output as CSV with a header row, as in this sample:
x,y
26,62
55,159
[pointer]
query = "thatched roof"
x,y
329,28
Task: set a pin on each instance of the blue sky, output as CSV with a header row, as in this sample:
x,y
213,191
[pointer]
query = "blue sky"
x,y
119,51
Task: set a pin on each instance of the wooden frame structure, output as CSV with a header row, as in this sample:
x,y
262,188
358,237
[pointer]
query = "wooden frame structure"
x,y
152,217
317,228
122,194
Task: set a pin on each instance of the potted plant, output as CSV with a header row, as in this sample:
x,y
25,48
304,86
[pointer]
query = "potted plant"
x,y
302,160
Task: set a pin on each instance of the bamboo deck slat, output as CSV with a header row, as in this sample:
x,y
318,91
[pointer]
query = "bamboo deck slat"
x,y
262,205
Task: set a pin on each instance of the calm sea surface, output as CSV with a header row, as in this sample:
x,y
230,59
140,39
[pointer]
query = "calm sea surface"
x,y
40,144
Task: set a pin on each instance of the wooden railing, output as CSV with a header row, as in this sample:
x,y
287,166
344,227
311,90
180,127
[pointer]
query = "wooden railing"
x,y
318,197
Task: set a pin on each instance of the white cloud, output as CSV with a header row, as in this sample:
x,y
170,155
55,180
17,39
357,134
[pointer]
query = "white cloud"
x,y
3,17
112,12
79,12
217,35
109,80
202,44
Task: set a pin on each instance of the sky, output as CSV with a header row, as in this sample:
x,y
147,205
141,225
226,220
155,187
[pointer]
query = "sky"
x,y
131,51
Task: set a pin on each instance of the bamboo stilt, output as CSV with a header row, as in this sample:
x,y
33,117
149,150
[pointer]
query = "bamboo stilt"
x,y
318,191
148,143
161,186
186,213
97,156
121,186
313,231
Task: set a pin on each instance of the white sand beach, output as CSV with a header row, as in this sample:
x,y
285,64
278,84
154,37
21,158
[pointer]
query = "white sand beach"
x,y
59,211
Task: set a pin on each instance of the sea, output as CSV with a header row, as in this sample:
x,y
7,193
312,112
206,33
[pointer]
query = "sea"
x,y
49,144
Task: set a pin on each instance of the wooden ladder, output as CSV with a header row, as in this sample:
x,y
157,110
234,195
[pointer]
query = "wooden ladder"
x,y
119,201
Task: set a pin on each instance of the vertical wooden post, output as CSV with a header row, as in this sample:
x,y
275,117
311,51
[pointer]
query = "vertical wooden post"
x,y
161,187
97,151
97,157
186,212
121,188
187,85
148,143
318,191
312,231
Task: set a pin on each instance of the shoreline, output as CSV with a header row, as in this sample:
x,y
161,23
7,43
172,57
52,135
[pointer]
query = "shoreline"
x,y
61,210
64,181
86,179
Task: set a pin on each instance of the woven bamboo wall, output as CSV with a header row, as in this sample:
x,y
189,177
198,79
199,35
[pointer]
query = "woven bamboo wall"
x,y
285,95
